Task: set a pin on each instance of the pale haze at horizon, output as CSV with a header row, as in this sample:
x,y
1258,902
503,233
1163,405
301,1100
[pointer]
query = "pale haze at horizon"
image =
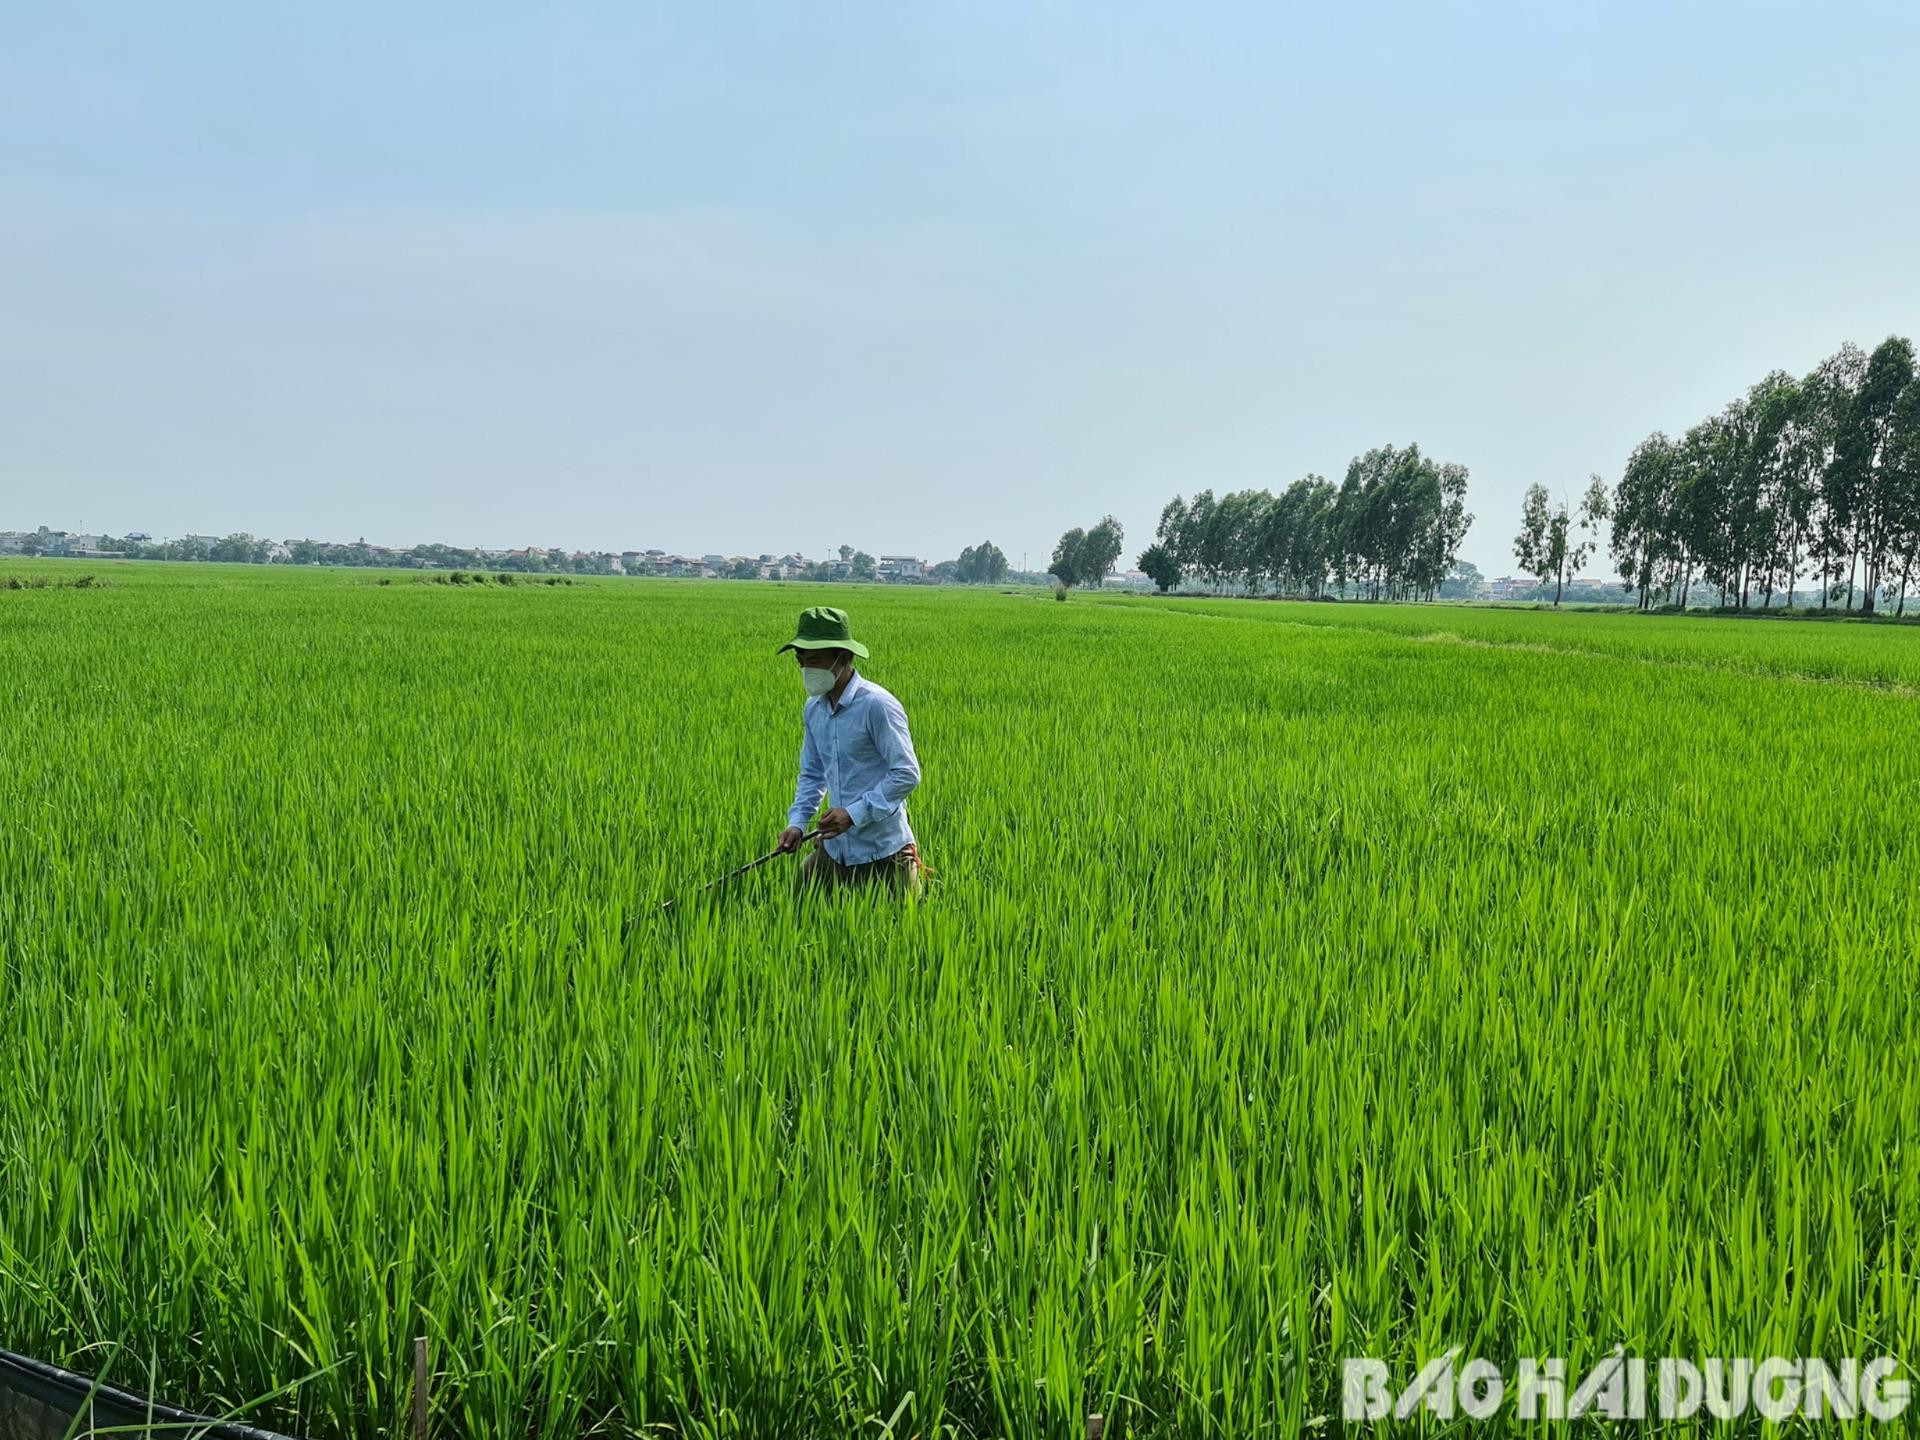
x,y
757,278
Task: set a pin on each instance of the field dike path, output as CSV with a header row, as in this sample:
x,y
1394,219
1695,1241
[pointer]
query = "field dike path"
x,y
1802,677
1895,688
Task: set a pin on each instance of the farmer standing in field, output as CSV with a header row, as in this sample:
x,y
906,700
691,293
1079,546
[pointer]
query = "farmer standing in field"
x,y
855,749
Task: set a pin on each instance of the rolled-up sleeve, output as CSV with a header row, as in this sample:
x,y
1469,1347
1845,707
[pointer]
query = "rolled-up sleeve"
x,y
888,731
813,778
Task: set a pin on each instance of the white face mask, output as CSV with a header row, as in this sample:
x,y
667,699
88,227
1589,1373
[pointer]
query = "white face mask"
x,y
817,680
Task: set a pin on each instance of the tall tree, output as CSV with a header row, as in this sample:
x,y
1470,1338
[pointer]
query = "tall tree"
x,y
1310,540
1069,557
1830,391
1903,463
1231,536
1449,521
1547,546
1160,566
1797,460
981,564
1100,550
1541,545
1642,517
1868,478
1795,475
1774,407
1394,527
1399,519
1199,547
1170,536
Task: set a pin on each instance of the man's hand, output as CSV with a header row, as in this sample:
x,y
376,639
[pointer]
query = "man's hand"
x,y
835,822
790,839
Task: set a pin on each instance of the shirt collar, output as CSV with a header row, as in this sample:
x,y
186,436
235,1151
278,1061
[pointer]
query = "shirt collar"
x,y
854,682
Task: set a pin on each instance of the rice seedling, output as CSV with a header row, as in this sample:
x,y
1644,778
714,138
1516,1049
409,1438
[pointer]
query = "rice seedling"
x,y
1295,986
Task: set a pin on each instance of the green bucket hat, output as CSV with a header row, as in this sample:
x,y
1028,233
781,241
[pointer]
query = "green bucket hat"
x,y
822,627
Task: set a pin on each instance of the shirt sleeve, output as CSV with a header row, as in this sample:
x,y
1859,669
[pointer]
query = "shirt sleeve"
x,y
887,728
813,778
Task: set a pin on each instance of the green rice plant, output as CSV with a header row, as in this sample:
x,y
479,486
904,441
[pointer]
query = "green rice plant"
x,y
1297,985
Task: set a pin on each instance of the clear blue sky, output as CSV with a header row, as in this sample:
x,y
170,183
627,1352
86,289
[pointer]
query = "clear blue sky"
x,y
745,278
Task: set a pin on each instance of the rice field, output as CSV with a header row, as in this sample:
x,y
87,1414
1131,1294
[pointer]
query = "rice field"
x,y
1297,982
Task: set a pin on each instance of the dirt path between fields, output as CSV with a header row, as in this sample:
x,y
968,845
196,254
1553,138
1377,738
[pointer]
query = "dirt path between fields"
x,y
1898,689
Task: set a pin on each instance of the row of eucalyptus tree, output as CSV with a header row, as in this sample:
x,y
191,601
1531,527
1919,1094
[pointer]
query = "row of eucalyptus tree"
x,y
1389,531
1814,479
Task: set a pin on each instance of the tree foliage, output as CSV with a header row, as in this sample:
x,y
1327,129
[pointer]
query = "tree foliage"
x,y
1817,477
1100,551
1085,557
1068,556
1391,530
981,564
1158,563
1554,541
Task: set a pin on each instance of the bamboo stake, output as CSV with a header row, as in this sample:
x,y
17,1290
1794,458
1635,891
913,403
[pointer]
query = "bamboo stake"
x,y
421,1406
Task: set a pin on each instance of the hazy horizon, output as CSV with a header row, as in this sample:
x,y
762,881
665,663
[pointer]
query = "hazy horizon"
x,y
754,280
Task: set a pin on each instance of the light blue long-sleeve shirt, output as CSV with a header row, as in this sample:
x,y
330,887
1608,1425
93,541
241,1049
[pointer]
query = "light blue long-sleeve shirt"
x,y
860,753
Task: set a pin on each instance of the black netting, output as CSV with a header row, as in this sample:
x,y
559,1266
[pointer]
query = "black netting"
x,y
43,1402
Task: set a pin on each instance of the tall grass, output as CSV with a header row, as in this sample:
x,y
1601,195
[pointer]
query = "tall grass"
x,y
1289,992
